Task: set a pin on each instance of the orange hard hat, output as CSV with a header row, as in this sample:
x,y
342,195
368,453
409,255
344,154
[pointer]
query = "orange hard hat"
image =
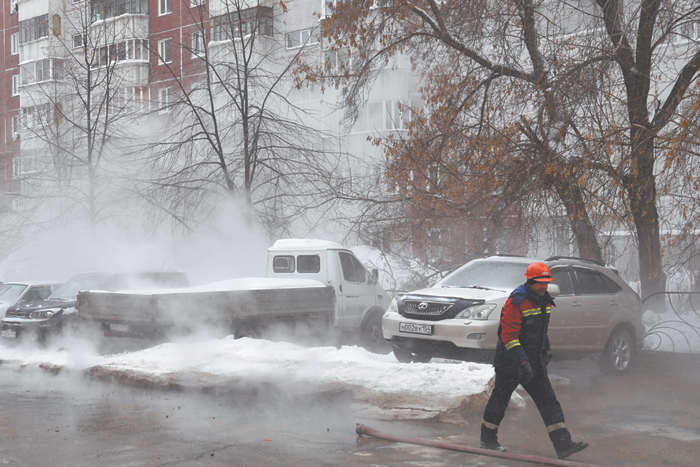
x,y
538,272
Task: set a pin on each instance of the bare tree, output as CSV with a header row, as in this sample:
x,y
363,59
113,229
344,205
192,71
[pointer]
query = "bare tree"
x,y
73,131
235,128
590,87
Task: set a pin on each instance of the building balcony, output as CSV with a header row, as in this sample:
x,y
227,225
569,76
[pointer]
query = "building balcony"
x,y
118,29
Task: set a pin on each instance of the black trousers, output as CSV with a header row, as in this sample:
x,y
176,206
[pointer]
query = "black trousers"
x,y
539,388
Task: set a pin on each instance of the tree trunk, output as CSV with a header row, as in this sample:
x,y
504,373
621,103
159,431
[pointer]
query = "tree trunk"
x,y
641,189
584,232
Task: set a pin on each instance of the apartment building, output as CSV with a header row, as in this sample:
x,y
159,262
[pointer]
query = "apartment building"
x,y
149,53
157,47
9,94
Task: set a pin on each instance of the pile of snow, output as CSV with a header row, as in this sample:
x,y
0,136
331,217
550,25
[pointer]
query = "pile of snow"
x,y
382,387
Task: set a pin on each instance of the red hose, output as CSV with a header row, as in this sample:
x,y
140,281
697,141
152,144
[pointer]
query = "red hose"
x,y
365,430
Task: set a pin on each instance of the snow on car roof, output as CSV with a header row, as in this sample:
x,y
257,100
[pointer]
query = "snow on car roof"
x,y
305,244
256,283
33,282
509,259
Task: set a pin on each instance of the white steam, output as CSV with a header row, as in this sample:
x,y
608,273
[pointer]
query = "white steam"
x,y
228,247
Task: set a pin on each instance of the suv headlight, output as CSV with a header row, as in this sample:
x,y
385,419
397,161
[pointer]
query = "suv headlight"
x,y
393,306
42,314
477,311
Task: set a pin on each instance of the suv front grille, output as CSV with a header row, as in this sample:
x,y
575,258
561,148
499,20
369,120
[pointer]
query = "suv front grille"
x,y
431,308
426,308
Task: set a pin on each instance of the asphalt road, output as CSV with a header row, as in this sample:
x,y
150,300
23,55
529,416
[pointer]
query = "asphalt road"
x,y
649,417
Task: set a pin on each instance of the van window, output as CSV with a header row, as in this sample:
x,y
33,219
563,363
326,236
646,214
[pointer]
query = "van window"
x,y
353,271
283,263
309,263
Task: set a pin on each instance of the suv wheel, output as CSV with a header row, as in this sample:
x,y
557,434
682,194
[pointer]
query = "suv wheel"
x,y
404,356
618,353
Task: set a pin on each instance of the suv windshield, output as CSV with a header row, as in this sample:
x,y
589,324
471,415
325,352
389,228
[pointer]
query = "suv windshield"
x,y
10,292
492,274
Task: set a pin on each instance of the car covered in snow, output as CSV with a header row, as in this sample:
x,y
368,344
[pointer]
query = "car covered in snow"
x,y
596,314
16,292
58,310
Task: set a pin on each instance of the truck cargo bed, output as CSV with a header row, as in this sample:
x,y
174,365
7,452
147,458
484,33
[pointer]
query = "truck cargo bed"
x,y
147,312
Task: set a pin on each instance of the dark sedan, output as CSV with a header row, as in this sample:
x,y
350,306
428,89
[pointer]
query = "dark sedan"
x,y
58,311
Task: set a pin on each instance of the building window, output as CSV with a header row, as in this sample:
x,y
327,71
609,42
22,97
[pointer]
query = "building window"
x,y
137,49
165,51
33,28
165,99
14,6
132,98
194,3
164,7
77,41
329,6
436,177
37,115
41,70
337,61
383,115
197,44
15,85
30,162
435,246
241,23
14,43
15,128
27,117
687,32
133,49
300,38
104,9
138,98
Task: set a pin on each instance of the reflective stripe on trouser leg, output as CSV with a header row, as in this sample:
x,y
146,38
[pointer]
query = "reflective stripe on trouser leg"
x,y
490,426
556,426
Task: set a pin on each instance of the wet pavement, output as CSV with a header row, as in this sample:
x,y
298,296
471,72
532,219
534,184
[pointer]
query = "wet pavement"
x,y
649,417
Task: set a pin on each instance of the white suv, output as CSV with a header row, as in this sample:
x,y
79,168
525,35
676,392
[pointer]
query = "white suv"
x,y
596,314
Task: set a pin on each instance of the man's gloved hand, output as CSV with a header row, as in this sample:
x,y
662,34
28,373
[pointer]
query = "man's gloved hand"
x,y
547,358
526,372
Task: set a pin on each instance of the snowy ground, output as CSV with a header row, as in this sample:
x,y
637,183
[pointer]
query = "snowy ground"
x,y
382,387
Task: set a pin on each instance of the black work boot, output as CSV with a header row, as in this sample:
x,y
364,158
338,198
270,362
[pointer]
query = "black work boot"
x,y
561,439
489,439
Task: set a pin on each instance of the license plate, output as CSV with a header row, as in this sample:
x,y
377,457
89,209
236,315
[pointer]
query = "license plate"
x,y
119,327
411,328
9,333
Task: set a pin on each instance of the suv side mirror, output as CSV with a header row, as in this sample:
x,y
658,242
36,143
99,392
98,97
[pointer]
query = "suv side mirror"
x,y
553,289
375,277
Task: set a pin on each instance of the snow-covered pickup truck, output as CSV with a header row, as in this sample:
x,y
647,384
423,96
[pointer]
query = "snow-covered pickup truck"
x,y
312,287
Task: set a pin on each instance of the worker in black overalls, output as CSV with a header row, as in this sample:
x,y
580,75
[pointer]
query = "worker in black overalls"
x,y
522,355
